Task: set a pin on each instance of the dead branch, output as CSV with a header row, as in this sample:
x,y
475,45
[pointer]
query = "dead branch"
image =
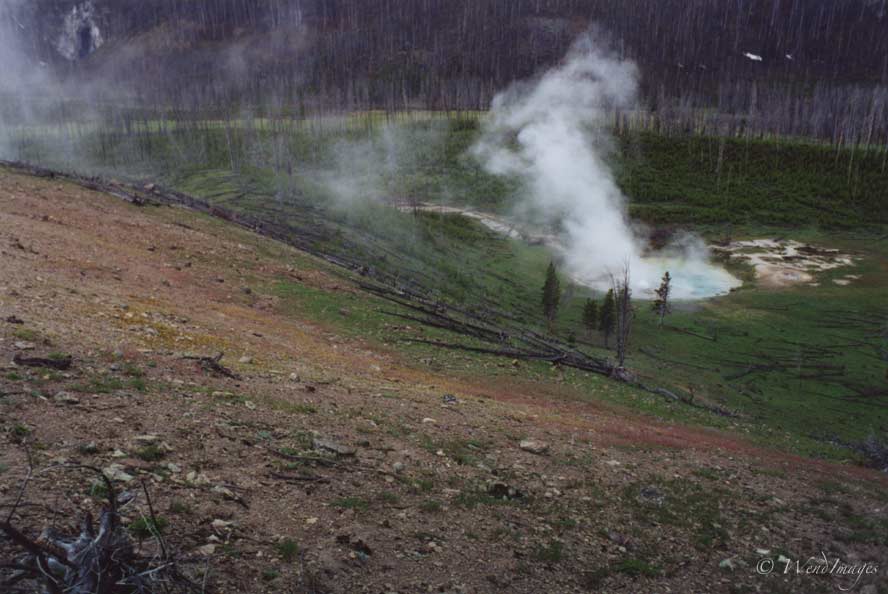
x,y
61,364
213,365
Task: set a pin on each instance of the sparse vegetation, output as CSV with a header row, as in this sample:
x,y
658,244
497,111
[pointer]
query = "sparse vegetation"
x,y
148,527
287,549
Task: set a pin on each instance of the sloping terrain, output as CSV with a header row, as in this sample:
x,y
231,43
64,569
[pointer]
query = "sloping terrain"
x,y
334,463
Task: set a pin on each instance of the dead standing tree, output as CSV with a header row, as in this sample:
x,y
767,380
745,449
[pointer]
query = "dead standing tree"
x,y
625,315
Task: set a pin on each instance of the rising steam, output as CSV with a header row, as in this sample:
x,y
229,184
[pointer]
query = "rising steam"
x,y
553,133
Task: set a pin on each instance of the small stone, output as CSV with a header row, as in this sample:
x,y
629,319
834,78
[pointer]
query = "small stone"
x,y
197,479
24,345
250,404
727,564
224,492
332,446
245,360
89,448
66,398
206,550
311,521
174,468
612,463
534,447
119,454
221,524
398,467
116,472
429,421
146,439
762,552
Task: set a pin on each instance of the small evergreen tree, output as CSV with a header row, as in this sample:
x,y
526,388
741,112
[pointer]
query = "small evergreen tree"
x,y
662,306
590,316
607,320
551,295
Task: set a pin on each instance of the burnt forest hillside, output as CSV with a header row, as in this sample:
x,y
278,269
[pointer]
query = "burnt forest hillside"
x,y
797,67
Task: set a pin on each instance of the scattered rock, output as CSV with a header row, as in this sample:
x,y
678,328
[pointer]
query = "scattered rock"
x,y
14,320
24,345
245,360
147,439
206,550
356,544
66,398
332,446
534,447
197,479
450,399
504,491
116,472
250,404
652,495
89,448
119,454
221,525
727,564
429,421
224,492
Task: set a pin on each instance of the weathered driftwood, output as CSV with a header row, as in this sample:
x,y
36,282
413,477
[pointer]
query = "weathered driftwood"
x,y
99,559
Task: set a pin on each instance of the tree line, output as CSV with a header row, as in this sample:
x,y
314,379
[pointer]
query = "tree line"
x,y
765,67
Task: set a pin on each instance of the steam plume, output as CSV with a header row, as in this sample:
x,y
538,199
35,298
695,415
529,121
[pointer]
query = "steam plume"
x,y
552,133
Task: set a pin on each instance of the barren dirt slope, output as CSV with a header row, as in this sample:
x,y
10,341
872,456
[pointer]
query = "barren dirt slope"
x,y
334,465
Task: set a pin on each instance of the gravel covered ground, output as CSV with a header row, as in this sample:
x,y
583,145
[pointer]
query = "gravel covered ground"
x,y
332,464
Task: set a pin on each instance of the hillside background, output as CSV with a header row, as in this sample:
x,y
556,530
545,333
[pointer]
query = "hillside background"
x,y
789,67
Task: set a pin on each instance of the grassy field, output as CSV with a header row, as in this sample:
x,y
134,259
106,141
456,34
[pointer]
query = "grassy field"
x,y
800,368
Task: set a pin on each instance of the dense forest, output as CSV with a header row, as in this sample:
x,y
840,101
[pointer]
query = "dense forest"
x,y
766,67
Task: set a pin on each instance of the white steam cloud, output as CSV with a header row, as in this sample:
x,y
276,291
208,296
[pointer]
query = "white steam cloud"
x,y
553,134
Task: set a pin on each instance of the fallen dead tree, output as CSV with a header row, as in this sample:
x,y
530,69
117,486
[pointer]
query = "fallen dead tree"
x,y
482,323
60,363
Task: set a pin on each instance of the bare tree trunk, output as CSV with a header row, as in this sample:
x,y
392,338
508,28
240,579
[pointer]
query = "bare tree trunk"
x,y
625,314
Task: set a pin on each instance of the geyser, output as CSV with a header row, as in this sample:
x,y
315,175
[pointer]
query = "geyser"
x,y
553,133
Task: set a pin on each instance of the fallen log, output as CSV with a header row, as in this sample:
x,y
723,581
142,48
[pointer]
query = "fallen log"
x,y
60,363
